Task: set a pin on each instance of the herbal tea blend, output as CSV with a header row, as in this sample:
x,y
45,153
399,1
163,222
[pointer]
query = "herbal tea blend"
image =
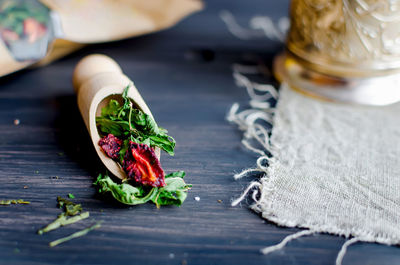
x,y
129,137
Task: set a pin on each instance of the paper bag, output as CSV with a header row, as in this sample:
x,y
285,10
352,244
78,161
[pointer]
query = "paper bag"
x,y
53,28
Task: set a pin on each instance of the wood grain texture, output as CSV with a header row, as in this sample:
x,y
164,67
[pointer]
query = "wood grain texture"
x,y
189,92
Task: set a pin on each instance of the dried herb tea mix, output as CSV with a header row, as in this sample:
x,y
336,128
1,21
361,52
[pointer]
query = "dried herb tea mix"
x,y
129,137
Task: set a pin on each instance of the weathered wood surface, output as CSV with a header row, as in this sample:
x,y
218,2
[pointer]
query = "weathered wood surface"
x,y
185,77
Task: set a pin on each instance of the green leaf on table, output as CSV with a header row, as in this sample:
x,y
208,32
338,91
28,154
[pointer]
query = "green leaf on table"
x,y
124,193
175,191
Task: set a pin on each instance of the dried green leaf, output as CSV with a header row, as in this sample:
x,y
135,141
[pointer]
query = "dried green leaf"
x,y
8,202
165,142
175,191
115,127
124,193
111,109
63,220
75,235
69,207
127,122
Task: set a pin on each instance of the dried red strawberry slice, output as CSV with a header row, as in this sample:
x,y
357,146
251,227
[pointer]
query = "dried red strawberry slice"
x,y
111,145
142,164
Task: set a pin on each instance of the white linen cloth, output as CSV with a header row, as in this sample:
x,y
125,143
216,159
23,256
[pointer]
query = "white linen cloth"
x,y
335,168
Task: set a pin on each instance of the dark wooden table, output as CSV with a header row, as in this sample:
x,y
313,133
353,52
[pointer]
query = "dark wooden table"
x,y
185,76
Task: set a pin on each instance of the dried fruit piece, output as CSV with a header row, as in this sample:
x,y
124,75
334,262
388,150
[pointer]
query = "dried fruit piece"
x,y
33,29
9,35
111,145
142,164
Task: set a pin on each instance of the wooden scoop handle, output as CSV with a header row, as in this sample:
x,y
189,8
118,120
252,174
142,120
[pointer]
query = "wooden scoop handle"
x,y
98,78
92,65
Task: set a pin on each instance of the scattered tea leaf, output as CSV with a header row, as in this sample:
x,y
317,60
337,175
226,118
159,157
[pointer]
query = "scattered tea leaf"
x,y
69,207
75,235
63,220
8,202
71,210
72,214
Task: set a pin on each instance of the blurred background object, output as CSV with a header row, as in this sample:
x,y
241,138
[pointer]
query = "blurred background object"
x,y
33,30
344,50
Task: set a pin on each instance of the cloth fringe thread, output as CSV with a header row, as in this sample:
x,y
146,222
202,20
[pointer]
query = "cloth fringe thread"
x,y
259,27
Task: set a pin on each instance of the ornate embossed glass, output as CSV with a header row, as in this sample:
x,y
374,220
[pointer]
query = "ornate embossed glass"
x,y
346,50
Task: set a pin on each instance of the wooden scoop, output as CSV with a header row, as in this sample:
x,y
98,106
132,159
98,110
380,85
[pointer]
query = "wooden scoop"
x,y
97,79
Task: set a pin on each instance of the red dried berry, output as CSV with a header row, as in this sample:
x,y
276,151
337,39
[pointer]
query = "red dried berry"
x,y
111,145
142,164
